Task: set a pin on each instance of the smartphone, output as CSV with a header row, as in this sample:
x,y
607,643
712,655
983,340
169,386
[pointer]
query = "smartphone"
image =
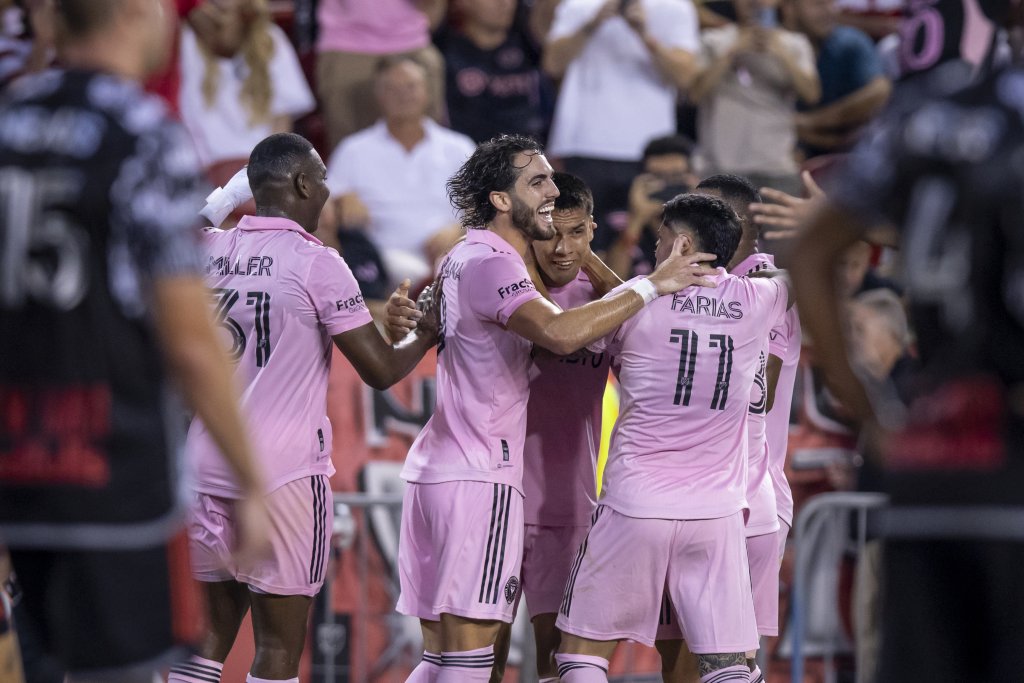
x,y
768,17
669,192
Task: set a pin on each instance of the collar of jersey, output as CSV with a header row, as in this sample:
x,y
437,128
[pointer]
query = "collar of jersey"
x,y
275,223
491,239
748,264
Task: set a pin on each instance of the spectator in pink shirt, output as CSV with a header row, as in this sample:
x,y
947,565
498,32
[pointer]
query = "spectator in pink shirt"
x,y
353,36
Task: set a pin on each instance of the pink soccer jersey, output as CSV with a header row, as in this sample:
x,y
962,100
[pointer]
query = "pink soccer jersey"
x,y
784,342
687,366
563,427
279,296
763,517
479,423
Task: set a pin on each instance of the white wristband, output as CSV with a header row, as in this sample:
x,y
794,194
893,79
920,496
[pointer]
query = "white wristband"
x,y
646,289
224,200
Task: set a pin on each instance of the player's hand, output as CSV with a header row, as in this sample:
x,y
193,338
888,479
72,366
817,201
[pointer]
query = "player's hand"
x,y
253,528
400,313
429,306
786,213
678,272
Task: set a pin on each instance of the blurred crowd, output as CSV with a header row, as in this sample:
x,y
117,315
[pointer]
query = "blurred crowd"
x,y
640,98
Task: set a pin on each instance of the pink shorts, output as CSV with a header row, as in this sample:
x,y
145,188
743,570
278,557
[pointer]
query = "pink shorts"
x,y
301,519
460,550
548,555
764,586
627,564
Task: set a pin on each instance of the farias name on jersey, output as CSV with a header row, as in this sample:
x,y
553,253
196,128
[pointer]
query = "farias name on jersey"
x,y
254,266
706,305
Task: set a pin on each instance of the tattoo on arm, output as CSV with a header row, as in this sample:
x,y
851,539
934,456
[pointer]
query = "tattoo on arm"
x,y
711,663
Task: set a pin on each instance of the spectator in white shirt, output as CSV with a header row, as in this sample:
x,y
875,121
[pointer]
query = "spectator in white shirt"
x,y
622,65
229,105
389,179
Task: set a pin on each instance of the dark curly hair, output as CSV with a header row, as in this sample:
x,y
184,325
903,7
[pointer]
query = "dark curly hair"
x,y
491,168
715,225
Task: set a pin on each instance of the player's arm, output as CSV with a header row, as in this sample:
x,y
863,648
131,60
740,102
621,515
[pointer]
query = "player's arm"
x,y
380,364
602,277
202,370
563,332
829,233
772,371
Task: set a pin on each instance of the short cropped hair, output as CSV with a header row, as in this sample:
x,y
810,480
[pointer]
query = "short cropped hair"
x,y
275,159
573,193
886,304
81,18
491,168
734,188
715,225
668,144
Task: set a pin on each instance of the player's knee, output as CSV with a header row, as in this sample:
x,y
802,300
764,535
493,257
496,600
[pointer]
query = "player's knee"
x,y
276,660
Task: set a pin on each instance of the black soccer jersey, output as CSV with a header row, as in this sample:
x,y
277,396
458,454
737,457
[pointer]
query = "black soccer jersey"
x,y
947,168
98,197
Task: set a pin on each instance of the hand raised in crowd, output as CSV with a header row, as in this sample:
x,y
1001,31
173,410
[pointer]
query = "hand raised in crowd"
x,y
680,271
633,13
785,213
401,315
640,203
608,10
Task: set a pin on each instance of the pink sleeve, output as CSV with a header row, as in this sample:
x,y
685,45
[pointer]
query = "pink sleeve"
x,y
500,285
773,295
778,339
335,294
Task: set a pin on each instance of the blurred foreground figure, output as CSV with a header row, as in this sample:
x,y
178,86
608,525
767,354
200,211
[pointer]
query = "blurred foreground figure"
x,y
101,303
946,172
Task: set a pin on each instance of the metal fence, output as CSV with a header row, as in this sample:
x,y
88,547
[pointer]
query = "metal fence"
x,y
829,528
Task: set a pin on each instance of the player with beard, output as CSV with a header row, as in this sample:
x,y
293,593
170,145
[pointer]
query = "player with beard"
x,y
767,488
462,517
671,518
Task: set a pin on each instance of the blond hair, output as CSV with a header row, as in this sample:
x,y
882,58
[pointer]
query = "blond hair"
x,y
257,50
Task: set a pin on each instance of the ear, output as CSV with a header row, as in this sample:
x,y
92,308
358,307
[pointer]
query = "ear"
x,y
303,187
501,201
593,227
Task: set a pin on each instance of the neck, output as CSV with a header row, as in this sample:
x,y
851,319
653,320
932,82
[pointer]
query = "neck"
x,y
265,211
746,248
407,132
484,37
502,226
103,53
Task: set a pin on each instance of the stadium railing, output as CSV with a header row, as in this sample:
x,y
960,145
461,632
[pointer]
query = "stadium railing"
x,y
830,526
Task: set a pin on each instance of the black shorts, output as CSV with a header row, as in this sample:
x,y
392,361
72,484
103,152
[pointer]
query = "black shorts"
x,y
953,611
94,610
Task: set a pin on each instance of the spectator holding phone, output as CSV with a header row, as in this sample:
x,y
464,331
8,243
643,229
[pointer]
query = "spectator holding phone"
x,y
753,73
666,173
622,64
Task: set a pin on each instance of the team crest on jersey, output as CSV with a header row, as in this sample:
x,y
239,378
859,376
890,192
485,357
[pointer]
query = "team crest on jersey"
x,y
511,589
